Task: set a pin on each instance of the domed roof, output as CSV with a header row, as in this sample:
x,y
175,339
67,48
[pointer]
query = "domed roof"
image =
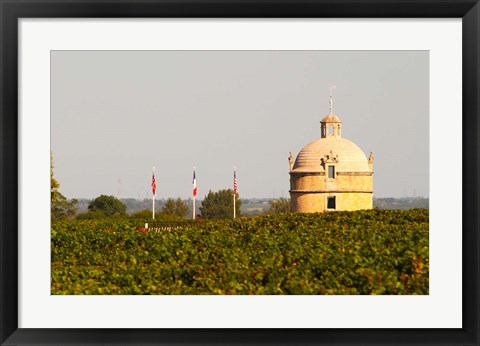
x,y
350,157
331,118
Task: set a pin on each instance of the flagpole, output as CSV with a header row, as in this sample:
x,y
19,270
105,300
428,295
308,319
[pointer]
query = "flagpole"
x,y
194,186
153,199
234,177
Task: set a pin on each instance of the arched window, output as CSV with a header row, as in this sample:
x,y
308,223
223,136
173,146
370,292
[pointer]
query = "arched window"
x,y
330,130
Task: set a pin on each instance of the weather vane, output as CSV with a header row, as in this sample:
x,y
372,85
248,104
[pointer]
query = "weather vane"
x,y
331,98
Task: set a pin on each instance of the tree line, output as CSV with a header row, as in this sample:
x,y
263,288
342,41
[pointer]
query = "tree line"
x,y
215,205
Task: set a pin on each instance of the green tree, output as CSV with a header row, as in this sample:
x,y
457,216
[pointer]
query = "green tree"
x,y
91,215
279,206
60,207
175,207
219,205
142,214
159,217
108,205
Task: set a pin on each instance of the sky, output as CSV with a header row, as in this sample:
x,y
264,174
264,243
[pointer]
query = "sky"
x,y
117,114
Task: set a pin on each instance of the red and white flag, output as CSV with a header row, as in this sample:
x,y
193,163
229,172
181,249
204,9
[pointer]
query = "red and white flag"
x,y
154,184
235,187
194,184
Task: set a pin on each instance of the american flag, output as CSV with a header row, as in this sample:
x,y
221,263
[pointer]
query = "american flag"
x,y
154,184
235,187
194,185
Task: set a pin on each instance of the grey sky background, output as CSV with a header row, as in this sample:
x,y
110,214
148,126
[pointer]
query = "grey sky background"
x,y
116,114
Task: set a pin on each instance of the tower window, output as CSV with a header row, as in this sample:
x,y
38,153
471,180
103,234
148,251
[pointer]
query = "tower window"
x,y
331,172
331,202
330,130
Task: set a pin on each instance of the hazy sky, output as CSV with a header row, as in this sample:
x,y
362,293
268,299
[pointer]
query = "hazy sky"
x,y
116,114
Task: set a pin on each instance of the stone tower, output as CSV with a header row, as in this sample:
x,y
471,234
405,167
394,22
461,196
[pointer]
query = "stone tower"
x,y
331,173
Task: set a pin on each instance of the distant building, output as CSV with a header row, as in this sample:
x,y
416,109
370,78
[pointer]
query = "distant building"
x,y
331,173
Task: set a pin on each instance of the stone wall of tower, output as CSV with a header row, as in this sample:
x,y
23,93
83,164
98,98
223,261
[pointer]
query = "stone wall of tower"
x,y
304,202
354,181
354,201
309,191
308,202
316,181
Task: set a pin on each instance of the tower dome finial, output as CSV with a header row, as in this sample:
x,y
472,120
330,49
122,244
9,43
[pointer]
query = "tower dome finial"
x,y
331,122
331,98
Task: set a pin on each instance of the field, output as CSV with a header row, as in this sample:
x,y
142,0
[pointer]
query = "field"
x,y
362,252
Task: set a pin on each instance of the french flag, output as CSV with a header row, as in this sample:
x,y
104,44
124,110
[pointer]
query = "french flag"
x,y
194,185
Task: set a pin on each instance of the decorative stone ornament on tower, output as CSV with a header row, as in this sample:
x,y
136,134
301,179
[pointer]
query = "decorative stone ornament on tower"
x,y
331,173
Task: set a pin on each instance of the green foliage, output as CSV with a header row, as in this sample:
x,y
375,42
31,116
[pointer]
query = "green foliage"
x,y
162,217
279,206
219,205
361,252
108,205
175,207
60,207
142,214
91,215
146,215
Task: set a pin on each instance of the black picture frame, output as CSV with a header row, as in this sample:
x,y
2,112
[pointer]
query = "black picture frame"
x,y
12,10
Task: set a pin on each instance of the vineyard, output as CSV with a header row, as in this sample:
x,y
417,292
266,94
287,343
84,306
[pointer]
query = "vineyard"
x,y
361,252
